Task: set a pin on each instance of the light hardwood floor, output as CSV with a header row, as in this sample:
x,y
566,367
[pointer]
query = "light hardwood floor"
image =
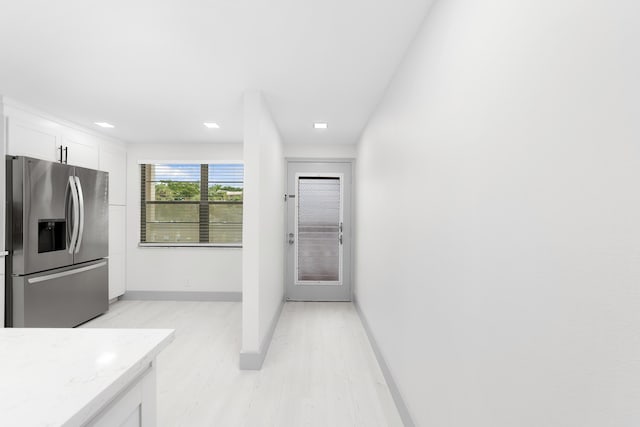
x,y
320,369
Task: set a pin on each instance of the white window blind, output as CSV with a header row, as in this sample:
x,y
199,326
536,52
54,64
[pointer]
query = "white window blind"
x,y
191,203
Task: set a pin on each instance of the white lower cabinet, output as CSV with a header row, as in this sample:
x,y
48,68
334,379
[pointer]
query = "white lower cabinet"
x,y
117,233
134,407
2,300
116,275
2,293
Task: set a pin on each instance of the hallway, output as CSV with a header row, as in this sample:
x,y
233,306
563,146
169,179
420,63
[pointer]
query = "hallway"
x,y
320,369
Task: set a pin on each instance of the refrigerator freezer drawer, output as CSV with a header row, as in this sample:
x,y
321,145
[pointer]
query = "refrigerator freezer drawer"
x,y
61,298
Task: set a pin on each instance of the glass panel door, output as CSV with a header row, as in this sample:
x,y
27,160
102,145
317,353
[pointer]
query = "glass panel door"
x,y
318,231
319,218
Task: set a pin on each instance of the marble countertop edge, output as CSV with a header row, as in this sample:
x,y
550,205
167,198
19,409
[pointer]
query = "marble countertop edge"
x,y
105,362
104,399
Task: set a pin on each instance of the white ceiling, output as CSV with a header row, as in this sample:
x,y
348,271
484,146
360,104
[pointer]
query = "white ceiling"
x,y
158,69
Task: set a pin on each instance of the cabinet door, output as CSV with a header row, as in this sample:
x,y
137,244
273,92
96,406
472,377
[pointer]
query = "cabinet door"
x,y
2,293
116,276
32,139
117,234
2,302
114,160
82,150
133,406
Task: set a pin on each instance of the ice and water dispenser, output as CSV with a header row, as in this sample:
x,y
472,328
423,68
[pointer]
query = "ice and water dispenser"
x,y
52,235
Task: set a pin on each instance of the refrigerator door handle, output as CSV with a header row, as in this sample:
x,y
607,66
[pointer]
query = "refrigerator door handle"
x,y
66,273
75,214
81,200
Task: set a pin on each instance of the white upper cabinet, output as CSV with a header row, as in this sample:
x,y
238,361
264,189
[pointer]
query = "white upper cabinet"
x,y
80,149
34,135
113,159
32,138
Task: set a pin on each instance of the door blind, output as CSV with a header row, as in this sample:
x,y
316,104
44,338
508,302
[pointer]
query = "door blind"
x,y
318,229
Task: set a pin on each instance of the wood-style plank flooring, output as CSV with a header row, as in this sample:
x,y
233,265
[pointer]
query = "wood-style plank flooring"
x,y
320,369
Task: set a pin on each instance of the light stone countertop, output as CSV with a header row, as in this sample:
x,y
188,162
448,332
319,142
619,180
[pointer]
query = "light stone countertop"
x,y
56,377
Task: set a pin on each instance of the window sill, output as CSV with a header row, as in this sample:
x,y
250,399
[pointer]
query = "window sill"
x,y
189,245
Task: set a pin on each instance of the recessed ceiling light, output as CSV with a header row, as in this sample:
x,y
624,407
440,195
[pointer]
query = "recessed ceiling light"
x,y
319,125
212,125
104,124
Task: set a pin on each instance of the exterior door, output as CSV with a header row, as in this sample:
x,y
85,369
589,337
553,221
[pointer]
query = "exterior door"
x,y
319,231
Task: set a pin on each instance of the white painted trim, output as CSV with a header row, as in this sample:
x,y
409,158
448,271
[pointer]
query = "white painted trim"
x,y
393,388
181,296
252,361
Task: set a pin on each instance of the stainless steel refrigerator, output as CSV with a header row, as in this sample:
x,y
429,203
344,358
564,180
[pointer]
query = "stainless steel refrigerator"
x,y
57,236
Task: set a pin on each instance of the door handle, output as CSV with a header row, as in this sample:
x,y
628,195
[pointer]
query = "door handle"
x,y
291,238
75,214
66,273
340,238
81,227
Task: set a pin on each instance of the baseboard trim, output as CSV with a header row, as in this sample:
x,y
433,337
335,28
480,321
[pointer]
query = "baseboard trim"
x,y
181,296
393,388
252,361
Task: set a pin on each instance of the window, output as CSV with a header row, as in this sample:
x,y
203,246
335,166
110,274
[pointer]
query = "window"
x,y
191,204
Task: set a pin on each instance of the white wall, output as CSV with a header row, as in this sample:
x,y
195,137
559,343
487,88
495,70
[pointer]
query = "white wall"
x,y
263,228
498,232
177,269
